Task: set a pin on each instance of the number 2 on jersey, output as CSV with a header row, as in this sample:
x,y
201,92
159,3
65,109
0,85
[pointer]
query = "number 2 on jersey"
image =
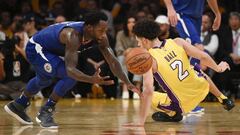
x,y
177,64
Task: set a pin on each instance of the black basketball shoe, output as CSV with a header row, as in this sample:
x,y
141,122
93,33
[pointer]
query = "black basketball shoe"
x,y
19,112
163,117
228,104
45,118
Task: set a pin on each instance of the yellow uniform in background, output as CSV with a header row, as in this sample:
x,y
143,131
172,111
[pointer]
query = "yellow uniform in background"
x,y
184,84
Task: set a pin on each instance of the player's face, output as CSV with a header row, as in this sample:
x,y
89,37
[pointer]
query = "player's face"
x,y
142,42
100,30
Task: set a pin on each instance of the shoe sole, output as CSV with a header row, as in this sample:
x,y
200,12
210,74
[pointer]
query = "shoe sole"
x,y
16,116
39,122
230,108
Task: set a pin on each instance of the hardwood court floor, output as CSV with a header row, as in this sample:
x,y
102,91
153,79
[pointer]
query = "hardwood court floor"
x,y
105,117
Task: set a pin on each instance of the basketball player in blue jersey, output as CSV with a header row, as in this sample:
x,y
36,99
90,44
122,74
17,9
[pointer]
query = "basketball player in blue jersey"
x,y
44,51
186,16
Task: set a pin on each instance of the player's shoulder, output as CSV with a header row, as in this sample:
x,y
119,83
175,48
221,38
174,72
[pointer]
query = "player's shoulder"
x,y
178,41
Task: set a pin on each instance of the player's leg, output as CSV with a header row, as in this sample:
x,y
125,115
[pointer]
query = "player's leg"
x,y
228,104
44,117
44,73
189,29
17,108
165,112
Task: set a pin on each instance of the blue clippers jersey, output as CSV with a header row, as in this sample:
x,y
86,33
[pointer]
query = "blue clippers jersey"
x,y
49,40
193,8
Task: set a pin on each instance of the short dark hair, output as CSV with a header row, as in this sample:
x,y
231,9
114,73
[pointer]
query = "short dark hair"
x,y
210,16
237,14
147,29
93,17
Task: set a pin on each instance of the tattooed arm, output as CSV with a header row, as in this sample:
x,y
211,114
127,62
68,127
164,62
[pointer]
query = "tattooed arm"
x,y
71,39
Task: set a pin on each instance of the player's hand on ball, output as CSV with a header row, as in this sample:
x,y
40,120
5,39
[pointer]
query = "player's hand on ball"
x,y
101,79
222,66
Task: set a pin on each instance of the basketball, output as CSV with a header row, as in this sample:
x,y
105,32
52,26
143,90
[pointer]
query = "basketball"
x,y
138,61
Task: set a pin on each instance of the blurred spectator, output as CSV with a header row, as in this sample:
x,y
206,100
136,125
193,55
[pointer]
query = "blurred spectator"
x,y
14,67
230,52
30,25
44,10
166,31
210,43
26,8
59,19
114,6
23,37
16,19
2,34
141,15
95,5
125,40
80,10
209,39
57,9
6,22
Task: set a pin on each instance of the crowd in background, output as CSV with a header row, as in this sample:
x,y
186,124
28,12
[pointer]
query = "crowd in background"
x,y
21,19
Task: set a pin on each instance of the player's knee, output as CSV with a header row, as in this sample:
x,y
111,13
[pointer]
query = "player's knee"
x,y
43,83
63,86
36,84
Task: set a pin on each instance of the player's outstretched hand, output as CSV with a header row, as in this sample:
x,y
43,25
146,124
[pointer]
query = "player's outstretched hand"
x,y
102,80
222,66
133,88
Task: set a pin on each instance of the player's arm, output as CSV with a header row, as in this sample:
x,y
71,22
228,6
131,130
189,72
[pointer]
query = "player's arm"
x,y
148,89
172,15
202,56
146,100
114,64
217,21
70,38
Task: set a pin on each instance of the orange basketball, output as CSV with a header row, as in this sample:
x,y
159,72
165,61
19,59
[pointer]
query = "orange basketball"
x,y
138,61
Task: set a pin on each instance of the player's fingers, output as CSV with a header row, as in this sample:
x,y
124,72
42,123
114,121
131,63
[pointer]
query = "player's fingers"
x,y
105,77
215,26
171,19
228,67
175,20
98,71
108,82
141,95
101,62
